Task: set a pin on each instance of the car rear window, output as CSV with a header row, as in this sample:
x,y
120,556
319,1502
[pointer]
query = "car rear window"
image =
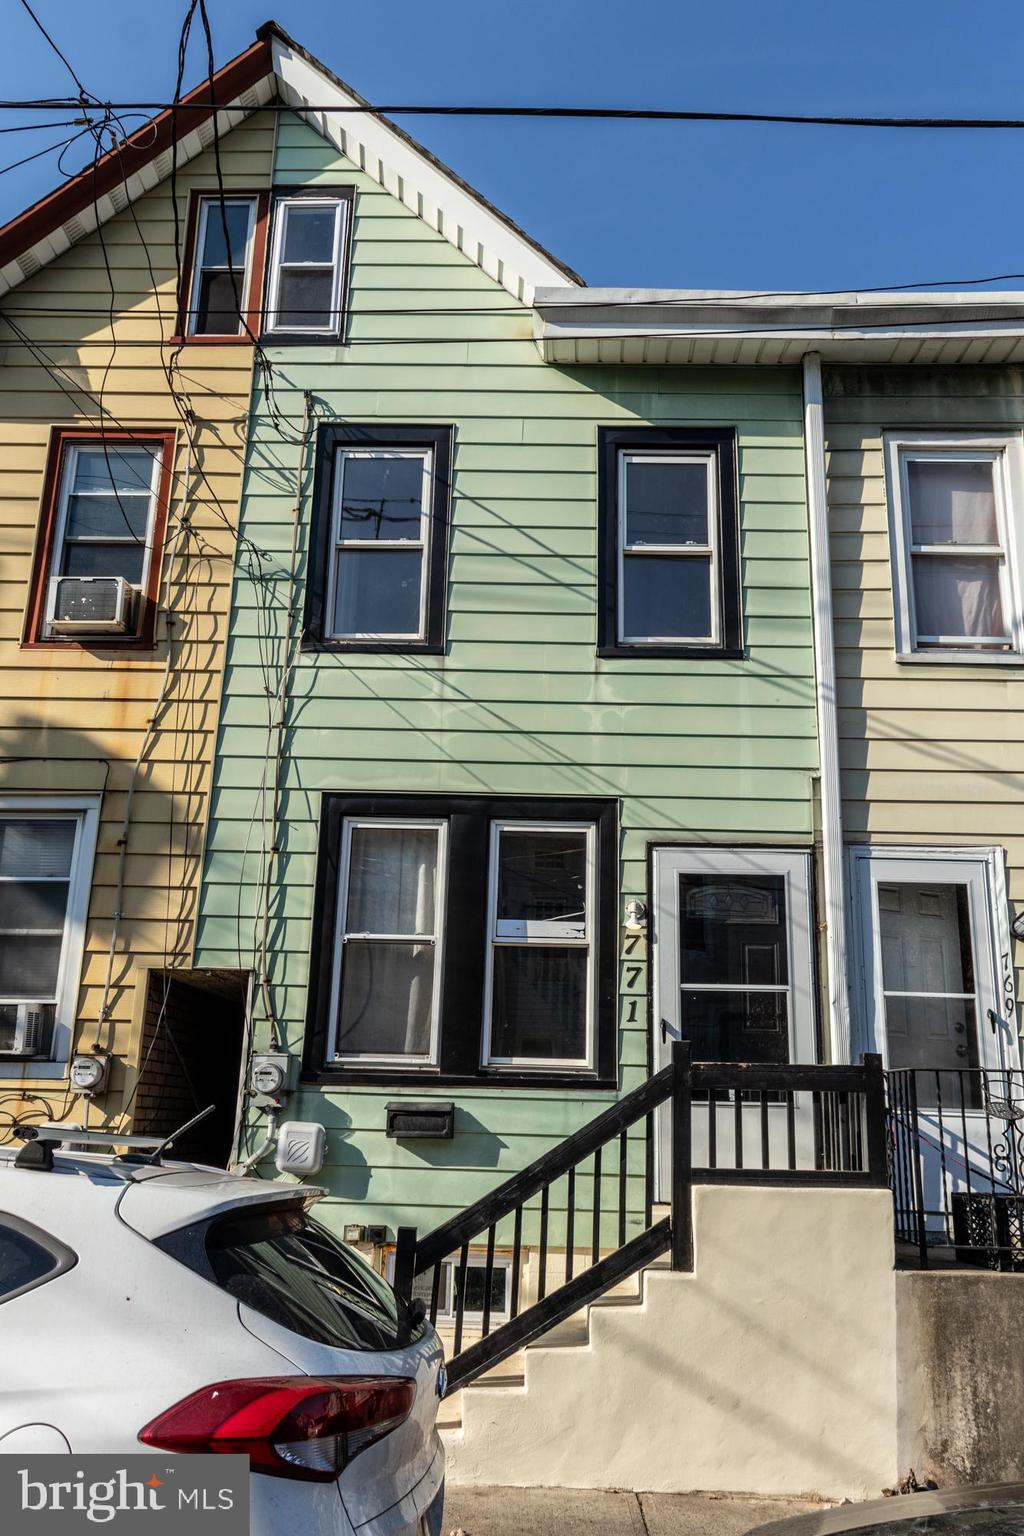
x,y
293,1270
26,1258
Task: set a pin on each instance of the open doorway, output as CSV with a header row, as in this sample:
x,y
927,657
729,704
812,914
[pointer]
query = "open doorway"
x,y
191,1056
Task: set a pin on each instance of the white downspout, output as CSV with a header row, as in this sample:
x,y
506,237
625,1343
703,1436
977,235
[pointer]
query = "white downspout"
x,y
828,723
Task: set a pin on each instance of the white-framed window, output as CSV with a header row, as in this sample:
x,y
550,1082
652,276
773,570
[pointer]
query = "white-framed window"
x,y
388,945
107,502
307,265
221,266
380,544
47,845
539,977
667,548
475,1283
954,509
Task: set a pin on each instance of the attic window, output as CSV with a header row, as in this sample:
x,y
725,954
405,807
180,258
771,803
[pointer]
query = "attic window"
x,y
306,271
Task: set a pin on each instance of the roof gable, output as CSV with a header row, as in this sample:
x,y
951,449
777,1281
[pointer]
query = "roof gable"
x,y
276,67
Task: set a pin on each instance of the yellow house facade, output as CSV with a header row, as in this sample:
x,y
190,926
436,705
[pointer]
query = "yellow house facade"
x,y
127,360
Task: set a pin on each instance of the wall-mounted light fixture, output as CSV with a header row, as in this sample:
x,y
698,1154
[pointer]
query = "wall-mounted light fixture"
x,y
636,917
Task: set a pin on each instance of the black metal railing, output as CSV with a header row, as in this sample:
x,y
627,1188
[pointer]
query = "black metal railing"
x,y
729,1124
956,1140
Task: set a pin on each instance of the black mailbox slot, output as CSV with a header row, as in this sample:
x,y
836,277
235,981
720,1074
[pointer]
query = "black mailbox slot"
x,y
432,1121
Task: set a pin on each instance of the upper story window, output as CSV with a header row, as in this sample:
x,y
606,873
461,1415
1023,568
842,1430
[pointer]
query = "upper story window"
x,y
379,539
307,267
668,574
222,266
956,588
97,569
472,938
46,853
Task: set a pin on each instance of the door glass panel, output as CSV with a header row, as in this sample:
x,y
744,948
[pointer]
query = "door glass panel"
x,y
736,1026
733,930
928,982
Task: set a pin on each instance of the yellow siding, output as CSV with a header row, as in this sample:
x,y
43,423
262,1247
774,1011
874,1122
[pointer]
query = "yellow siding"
x,y
930,753
76,718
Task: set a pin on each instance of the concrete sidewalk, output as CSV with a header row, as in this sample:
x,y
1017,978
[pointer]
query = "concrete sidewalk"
x,y
587,1512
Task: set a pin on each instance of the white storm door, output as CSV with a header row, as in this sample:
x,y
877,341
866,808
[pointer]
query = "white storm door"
x,y
734,976
937,1001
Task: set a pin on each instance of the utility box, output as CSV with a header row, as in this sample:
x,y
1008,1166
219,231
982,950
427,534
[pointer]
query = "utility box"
x,y
301,1148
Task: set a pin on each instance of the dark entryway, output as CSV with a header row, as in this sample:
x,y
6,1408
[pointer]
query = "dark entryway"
x,y
191,1056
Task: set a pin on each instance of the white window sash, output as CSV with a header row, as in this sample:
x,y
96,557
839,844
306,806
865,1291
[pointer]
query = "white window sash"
x,y
67,490
435,939
339,206
541,934
627,551
85,811
446,1290
1003,452
342,457
199,266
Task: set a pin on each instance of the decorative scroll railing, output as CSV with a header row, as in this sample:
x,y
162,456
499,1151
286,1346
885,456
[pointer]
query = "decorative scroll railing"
x,y
957,1165
585,1212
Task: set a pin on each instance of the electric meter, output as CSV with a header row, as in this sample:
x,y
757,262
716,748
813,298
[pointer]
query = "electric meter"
x,y
89,1072
268,1075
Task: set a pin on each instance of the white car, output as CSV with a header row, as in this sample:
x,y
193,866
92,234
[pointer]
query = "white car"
x,y
185,1308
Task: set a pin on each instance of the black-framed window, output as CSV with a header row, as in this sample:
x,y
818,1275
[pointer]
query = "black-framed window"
x,y
306,288
465,939
668,554
379,540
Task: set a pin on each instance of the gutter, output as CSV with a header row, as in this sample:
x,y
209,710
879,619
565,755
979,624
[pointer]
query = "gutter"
x,y
827,713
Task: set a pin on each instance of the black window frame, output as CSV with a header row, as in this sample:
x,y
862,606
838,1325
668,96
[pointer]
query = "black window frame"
x,y
331,436
469,820
64,1258
341,192
719,442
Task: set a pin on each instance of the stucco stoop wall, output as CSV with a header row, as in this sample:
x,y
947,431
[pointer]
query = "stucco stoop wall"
x,y
770,1369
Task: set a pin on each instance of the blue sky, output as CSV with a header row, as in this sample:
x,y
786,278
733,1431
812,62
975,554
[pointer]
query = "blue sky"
x,y
670,205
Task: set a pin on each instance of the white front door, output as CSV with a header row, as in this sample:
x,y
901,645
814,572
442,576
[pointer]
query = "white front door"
x,y
733,975
936,1001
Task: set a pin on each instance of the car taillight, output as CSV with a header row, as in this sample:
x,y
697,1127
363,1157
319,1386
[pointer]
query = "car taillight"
x,y
289,1426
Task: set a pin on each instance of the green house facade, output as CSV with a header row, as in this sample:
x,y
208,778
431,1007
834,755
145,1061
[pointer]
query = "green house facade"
x,y
516,768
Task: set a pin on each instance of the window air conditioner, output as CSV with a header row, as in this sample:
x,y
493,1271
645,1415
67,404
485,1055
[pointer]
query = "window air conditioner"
x,y
25,1028
93,605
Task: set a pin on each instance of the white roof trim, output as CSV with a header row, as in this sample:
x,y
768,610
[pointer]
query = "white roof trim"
x,y
410,174
134,186
658,326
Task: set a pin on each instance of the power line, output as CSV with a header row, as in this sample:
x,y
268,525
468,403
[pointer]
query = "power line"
x,y
613,114
83,93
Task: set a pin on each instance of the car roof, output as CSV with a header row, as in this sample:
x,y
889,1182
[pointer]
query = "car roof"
x,y
908,1507
153,1199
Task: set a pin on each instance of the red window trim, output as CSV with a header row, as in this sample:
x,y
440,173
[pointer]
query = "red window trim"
x,y
252,308
144,639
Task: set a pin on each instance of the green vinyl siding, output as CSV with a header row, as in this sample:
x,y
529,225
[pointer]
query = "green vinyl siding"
x,y
519,704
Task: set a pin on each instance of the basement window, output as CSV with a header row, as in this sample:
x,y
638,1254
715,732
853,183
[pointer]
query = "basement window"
x,y
956,583
307,267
